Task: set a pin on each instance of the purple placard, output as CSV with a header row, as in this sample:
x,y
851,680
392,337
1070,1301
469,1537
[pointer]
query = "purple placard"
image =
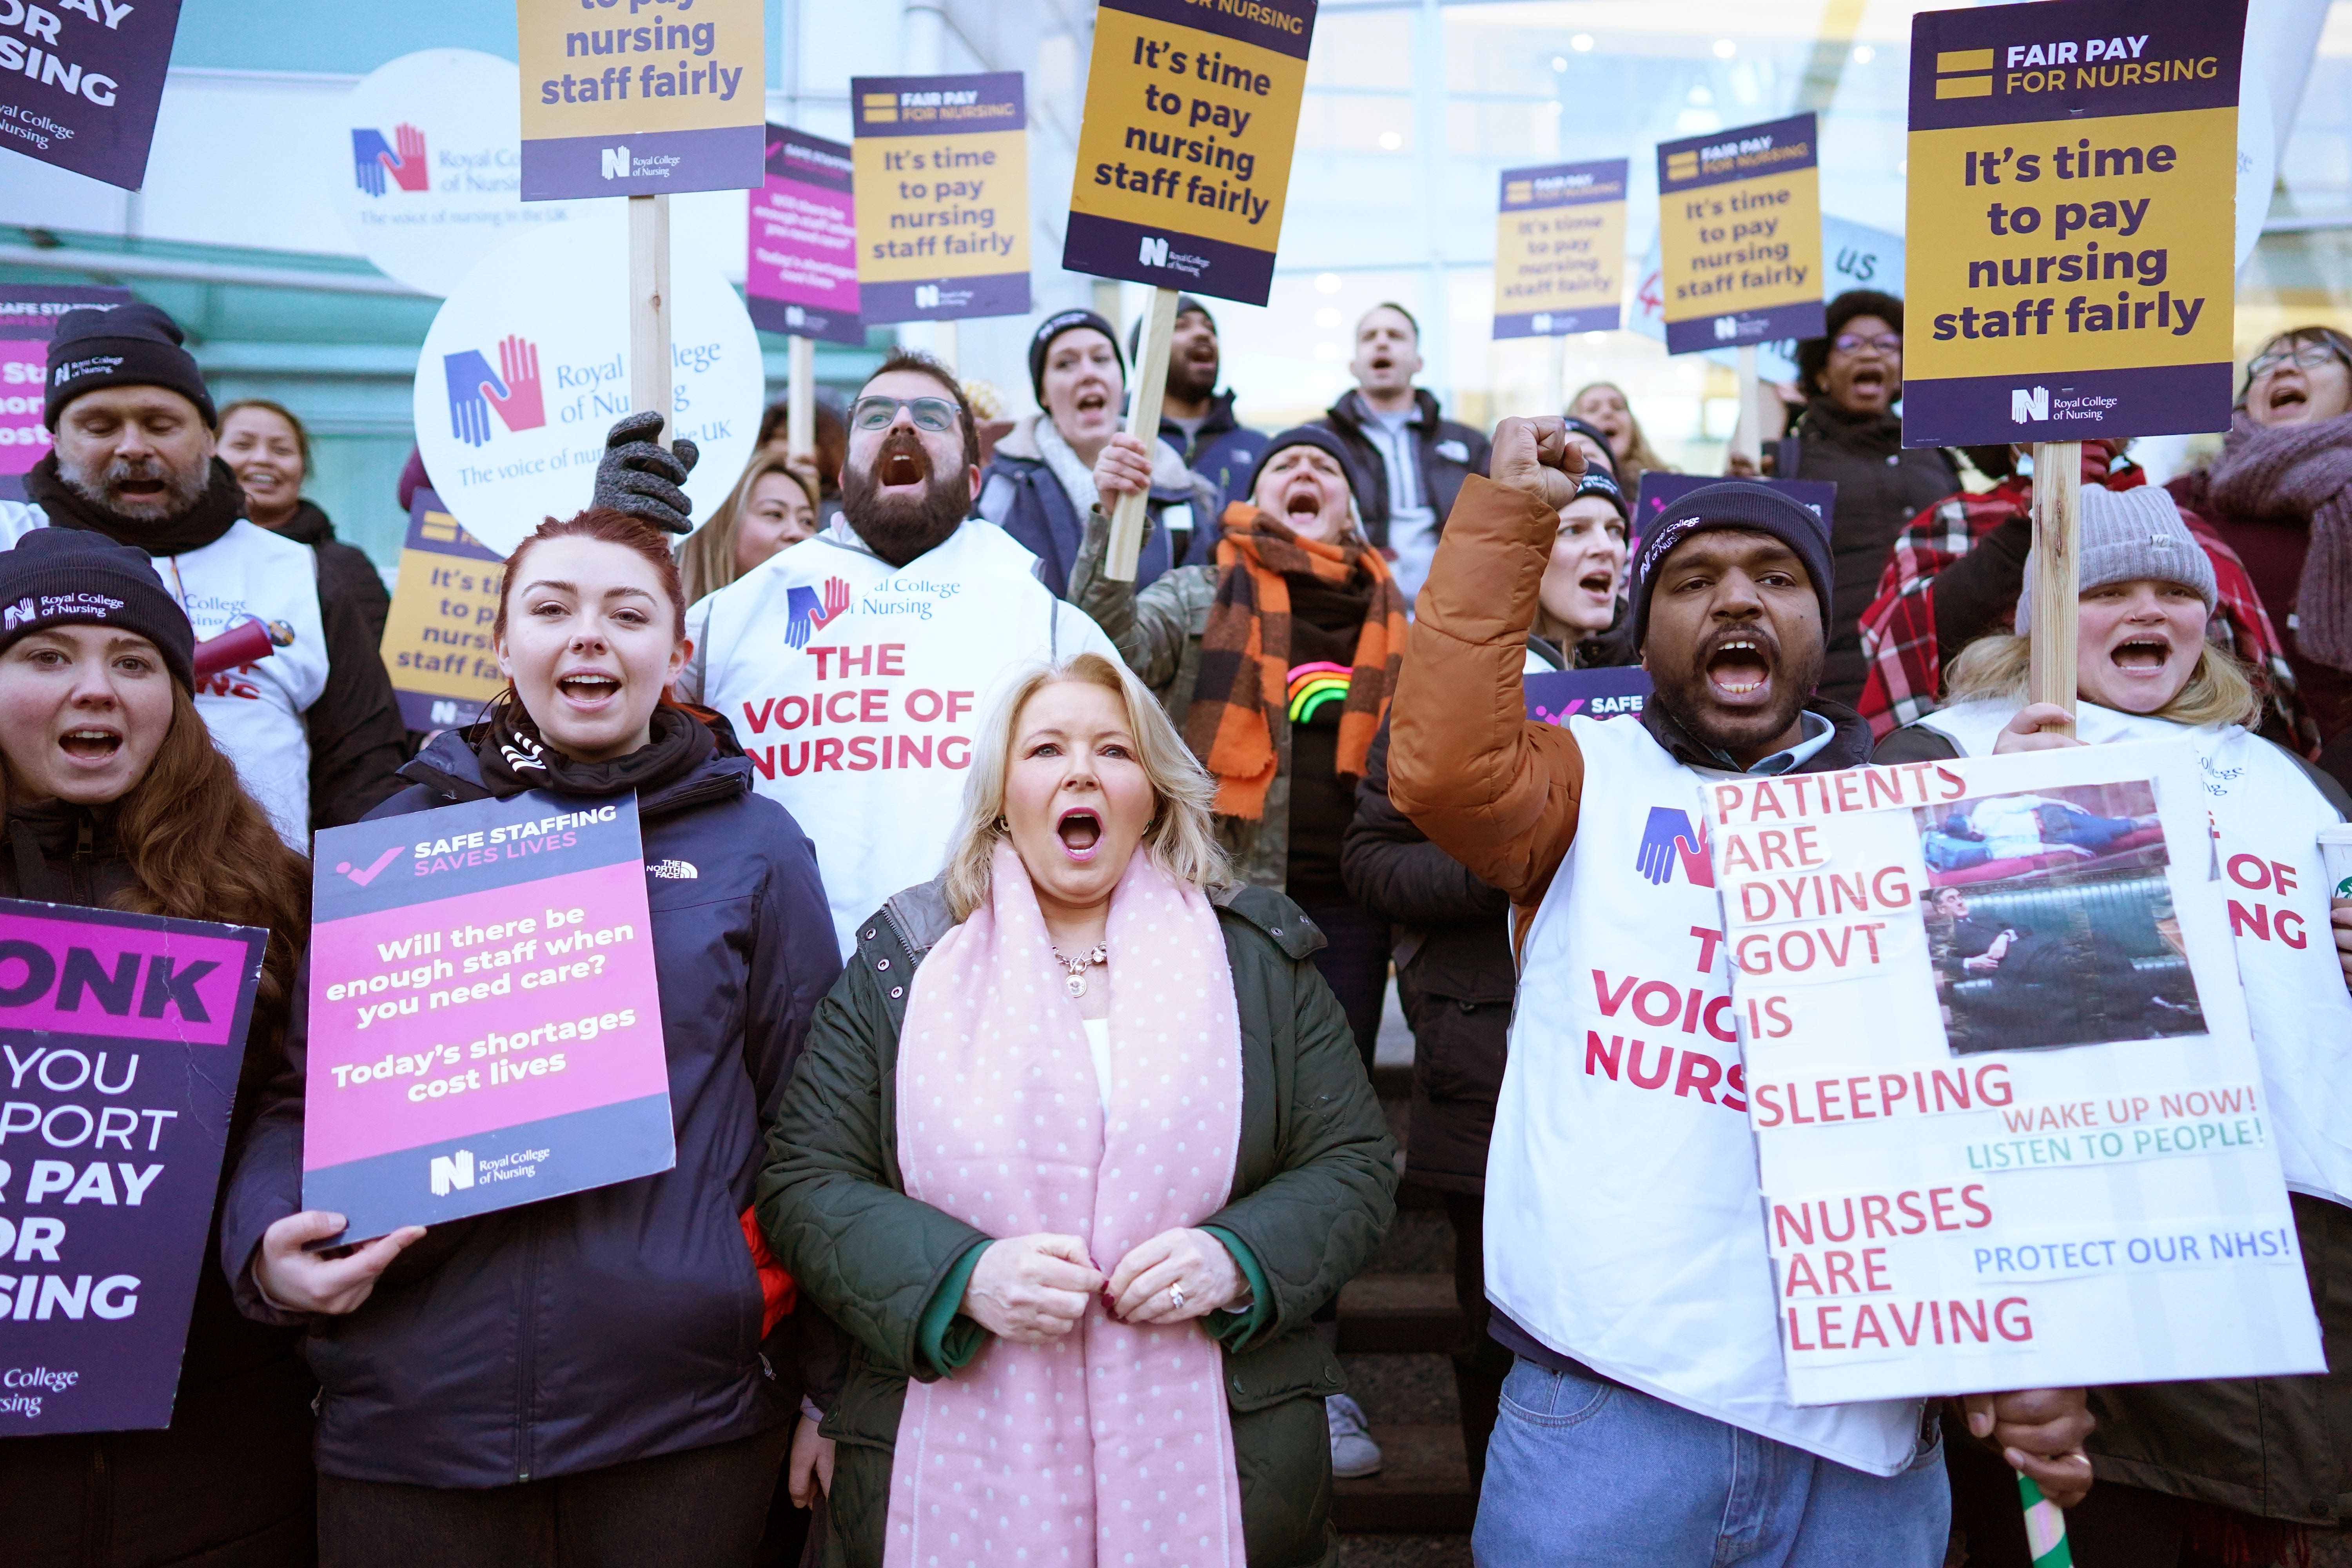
x,y
79,84
2069,405
946,300
643,162
2073,59
938,105
1808,318
1554,323
484,1022
1110,247
1556,696
122,1036
28,316
1286,26
1742,153
801,276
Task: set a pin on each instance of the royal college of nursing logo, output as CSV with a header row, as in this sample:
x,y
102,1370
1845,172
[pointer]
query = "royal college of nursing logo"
x,y
1668,840
513,389
403,158
805,613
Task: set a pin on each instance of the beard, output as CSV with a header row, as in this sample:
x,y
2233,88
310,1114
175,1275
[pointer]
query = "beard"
x,y
183,489
1683,692
900,527
1192,379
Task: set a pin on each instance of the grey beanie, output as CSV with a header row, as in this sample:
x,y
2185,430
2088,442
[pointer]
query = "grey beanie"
x,y
2128,535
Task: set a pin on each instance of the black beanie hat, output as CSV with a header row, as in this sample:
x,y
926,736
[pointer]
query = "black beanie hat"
x,y
129,345
1599,482
1317,435
1735,503
71,577
1053,326
1595,434
1185,305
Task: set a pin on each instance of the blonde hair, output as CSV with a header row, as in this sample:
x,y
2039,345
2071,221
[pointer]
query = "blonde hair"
x,y
1183,838
1639,457
705,562
1995,669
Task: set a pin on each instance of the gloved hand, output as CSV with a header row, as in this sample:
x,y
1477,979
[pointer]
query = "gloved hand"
x,y
643,480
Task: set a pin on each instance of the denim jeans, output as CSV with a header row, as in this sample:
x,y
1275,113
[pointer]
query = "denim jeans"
x,y
1581,1474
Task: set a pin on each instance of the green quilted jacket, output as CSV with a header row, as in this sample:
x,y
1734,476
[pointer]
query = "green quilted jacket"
x,y
1313,1193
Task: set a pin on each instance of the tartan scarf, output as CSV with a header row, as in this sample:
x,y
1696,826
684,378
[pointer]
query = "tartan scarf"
x,y
1241,694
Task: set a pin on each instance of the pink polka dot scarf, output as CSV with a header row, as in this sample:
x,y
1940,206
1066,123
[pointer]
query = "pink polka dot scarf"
x,y
1111,1444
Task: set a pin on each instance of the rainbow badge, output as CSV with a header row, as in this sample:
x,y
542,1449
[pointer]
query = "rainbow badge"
x,y
1313,685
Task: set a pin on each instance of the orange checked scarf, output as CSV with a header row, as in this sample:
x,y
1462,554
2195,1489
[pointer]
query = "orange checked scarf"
x,y
1241,691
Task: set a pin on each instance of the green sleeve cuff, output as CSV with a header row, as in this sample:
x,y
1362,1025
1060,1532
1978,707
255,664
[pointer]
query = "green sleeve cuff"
x,y
945,1340
1236,1328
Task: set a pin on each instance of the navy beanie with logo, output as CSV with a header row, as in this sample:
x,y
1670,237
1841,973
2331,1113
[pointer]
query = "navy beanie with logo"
x,y
1321,438
1735,503
126,345
71,577
1041,340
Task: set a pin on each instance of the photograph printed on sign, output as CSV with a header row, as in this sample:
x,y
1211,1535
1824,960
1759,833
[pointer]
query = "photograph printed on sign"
x,y
2051,921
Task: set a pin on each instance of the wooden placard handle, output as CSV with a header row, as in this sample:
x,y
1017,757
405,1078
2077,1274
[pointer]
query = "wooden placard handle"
x,y
649,300
1747,433
1143,424
2057,571
799,399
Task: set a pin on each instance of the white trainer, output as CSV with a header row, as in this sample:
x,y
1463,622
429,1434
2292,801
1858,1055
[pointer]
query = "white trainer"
x,y
1353,1452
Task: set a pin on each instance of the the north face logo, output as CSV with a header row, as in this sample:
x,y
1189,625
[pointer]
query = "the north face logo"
x,y
673,870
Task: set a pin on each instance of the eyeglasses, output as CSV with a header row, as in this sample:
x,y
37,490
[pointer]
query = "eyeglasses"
x,y
1854,342
934,413
2304,356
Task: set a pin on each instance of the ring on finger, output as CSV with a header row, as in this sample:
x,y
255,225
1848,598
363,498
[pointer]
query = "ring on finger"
x,y
1176,1295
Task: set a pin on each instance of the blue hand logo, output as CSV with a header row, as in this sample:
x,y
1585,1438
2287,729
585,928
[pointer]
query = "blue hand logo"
x,y
1659,850
470,379
369,152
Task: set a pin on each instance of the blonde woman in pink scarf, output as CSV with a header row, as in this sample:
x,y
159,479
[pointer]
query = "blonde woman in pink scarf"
x,y
1077,1146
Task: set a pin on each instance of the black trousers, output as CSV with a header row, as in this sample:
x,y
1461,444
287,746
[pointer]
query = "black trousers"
x,y
704,1508
1480,1363
1355,962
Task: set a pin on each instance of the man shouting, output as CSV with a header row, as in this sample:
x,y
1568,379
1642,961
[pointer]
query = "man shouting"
x,y
856,666
1647,1417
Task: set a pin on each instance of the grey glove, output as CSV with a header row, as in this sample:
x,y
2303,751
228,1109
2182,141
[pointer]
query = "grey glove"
x,y
643,480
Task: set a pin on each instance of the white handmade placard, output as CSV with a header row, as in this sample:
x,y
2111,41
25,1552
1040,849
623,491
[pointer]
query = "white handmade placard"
x,y
2011,1125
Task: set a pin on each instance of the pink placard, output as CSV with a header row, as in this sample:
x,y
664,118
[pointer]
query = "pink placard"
x,y
74,977
519,1004
24,370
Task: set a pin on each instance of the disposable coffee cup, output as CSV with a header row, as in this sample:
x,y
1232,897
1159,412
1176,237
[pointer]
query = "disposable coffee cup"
x,y
2336,854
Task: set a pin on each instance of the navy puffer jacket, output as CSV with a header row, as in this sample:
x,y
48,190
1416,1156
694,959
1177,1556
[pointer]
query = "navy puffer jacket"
x,y
611,1325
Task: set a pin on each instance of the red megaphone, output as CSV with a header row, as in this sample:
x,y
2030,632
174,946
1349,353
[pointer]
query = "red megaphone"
x,y
248,642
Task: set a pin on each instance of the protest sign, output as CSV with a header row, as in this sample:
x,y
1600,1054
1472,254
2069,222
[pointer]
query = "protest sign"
x,y
801,276
1660,491
1184,148
1559,249
28,316
619,104
1740,234
943,197
430,179
437,639
123,1036
485,1024
528,363
1611,692
2010,1120
1853,255
80,83
2073,170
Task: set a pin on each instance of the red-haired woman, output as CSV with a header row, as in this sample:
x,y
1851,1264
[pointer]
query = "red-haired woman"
x,y
115,797
577,1380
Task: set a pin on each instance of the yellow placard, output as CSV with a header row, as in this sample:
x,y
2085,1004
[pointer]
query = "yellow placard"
x,y
2104,244
1559,249
1739,236
437,639
954,205
589,71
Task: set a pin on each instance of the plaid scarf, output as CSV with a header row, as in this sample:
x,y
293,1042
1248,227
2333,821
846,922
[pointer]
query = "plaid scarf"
x,y
1241,694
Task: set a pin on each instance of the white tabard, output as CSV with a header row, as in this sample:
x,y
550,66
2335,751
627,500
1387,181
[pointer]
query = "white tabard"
x,y
857,688
1625,1224
2266,816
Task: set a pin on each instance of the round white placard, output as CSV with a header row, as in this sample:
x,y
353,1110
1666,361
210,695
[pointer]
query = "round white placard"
x,y
427,166
527,367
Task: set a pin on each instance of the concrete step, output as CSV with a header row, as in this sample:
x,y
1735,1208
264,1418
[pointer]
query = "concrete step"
x,y
1423,1487
1399,1314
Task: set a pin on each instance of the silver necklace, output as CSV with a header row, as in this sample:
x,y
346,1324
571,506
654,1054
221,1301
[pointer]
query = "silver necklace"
x,y
1077,983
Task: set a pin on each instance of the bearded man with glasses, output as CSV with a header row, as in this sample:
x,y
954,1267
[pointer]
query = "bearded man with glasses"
x,y
855,666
